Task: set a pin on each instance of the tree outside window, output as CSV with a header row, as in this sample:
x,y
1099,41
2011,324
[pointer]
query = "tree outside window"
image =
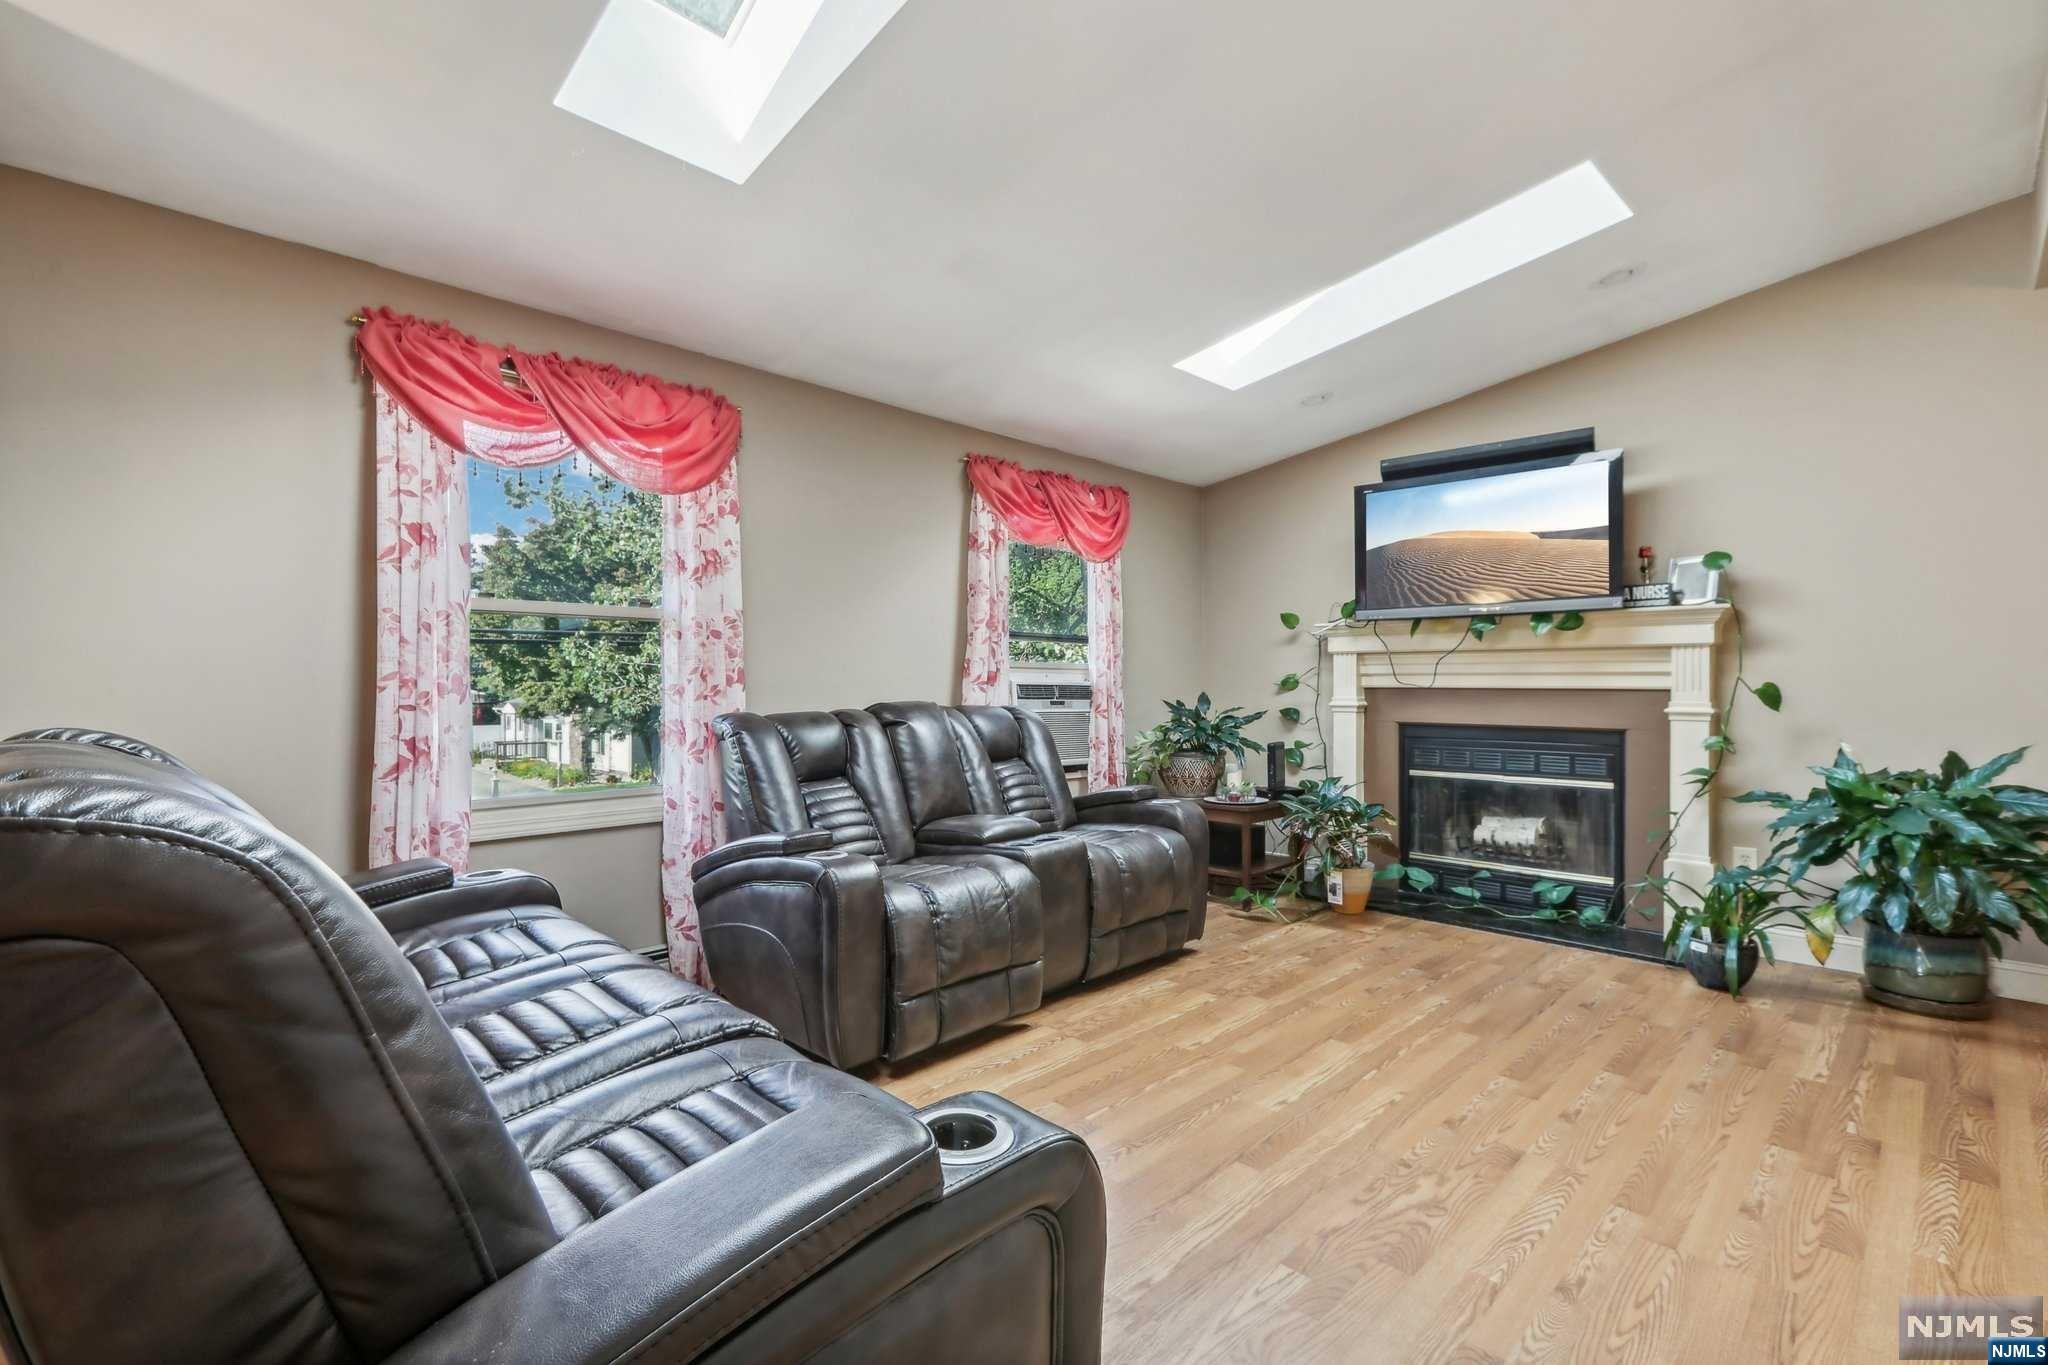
x,y
565,633
1048,605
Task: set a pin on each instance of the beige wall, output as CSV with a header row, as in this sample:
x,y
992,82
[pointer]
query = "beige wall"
x,y
185,487
1869,440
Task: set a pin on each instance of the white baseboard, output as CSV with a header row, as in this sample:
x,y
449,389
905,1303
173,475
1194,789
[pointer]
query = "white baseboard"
x,y
2012,980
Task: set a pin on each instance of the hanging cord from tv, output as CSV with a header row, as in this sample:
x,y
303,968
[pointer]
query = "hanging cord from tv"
x,y
1394,669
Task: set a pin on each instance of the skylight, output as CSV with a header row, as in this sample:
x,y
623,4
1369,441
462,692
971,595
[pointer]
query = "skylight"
x,y
716,16
716,83
1536,222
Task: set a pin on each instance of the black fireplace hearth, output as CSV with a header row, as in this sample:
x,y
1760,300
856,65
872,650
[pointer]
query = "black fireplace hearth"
x,y
1505,810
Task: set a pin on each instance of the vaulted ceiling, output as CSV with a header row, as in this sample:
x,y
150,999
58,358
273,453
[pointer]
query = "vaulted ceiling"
x,y
1019,216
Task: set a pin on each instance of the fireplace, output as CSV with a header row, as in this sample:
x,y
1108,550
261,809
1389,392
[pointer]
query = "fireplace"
x,y
1519,804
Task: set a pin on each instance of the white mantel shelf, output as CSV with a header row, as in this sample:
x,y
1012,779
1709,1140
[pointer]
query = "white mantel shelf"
x,y
1645,649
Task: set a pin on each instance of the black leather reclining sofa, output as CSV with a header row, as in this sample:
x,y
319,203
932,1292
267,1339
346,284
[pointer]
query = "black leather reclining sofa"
x,y
250,1111
905,875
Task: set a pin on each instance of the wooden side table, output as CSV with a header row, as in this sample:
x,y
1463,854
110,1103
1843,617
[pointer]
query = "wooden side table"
x,y
1252,873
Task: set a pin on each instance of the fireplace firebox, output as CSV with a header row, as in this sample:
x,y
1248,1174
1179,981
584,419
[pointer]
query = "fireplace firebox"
x,y
1519,805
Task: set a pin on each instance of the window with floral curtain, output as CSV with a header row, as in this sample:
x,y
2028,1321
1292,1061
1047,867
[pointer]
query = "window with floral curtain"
x,y
439,395
1041,507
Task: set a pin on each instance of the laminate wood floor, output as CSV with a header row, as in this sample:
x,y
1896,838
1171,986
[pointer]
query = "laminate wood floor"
x,y
1380,1139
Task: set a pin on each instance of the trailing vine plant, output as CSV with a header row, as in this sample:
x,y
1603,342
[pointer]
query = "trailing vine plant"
x,y
1718,745
1476,628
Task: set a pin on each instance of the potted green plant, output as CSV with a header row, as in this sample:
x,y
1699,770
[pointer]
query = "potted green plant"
x,y
1718,933
1336,830
1947,864
1184,753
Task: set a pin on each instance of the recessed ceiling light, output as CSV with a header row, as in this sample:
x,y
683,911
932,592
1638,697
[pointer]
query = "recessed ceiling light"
x,y
1562,210
1614,277
1316,400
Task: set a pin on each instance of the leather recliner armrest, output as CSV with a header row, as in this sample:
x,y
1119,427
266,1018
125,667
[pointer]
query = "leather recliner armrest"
x,y
973,831
1110,796
666,1277
445,895
802,941
397,881
1165,812
762,846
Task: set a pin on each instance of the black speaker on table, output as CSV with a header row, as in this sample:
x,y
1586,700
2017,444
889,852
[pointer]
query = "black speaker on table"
x,y
1276,769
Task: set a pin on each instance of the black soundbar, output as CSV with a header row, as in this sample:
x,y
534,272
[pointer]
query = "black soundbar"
x,y
1579,442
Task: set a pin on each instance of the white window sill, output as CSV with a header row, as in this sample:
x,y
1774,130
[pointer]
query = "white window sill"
x,y
533,816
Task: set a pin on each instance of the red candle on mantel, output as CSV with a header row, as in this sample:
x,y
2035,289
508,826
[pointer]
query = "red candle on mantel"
x,y
1646,554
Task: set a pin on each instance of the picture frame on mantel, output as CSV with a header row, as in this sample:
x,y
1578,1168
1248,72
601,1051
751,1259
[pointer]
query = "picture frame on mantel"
x,y
1692,580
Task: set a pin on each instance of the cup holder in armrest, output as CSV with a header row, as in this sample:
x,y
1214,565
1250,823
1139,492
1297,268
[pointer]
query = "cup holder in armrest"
x,y
966,1136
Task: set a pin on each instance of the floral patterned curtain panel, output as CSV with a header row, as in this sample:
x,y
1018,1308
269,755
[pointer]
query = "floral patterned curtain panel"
x,y
439,396
1106,673
985,674
703,673
419,784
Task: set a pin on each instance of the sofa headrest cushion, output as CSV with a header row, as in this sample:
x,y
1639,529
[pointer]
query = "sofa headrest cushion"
x,y
1000,734
816,742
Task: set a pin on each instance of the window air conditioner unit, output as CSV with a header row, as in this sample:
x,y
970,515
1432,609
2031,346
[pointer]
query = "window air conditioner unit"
x,y
1064,709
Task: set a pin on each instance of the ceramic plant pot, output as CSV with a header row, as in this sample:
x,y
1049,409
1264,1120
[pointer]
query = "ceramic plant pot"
x,y
1708,963
1949,978
1190,773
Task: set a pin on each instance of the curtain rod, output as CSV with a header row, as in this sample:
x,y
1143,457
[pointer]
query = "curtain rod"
x,y
507,371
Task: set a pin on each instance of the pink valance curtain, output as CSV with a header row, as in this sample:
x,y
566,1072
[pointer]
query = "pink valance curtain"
x,y
440,395
1042,507
646,432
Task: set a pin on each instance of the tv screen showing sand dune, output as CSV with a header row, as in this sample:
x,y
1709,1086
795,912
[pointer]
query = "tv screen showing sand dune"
x,y
1532,536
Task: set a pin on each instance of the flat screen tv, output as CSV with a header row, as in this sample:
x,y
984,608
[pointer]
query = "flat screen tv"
x,y
1527,535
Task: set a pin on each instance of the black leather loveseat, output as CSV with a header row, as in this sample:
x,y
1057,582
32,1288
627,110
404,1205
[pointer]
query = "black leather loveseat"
x,y
250,1111
909,874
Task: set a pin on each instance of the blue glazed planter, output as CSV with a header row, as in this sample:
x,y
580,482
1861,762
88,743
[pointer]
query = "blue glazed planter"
x,y
1926,973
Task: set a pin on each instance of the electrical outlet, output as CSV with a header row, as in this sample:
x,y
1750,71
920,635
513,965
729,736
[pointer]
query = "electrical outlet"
x,y
1744,857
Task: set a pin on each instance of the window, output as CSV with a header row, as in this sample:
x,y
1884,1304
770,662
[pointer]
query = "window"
x,y
716,83
1514,232
1048,606
718,17
1049,644
564,649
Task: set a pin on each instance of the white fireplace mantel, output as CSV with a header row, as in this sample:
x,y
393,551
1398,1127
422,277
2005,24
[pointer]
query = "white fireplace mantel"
x,y
1644,649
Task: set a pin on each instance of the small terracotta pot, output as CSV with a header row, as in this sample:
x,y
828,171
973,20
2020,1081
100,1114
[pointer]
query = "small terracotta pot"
x,y
1190,773
1348,889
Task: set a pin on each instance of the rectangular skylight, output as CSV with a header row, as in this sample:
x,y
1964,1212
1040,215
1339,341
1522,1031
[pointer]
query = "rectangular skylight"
x,y
667,75
1534,223
717,16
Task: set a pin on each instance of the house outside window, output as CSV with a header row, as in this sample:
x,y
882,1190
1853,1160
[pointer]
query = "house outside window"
x,y
564,649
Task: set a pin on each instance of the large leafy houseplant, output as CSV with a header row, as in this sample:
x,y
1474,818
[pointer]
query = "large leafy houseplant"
x,y
1184,753
1952,853
1202,729
1718,932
